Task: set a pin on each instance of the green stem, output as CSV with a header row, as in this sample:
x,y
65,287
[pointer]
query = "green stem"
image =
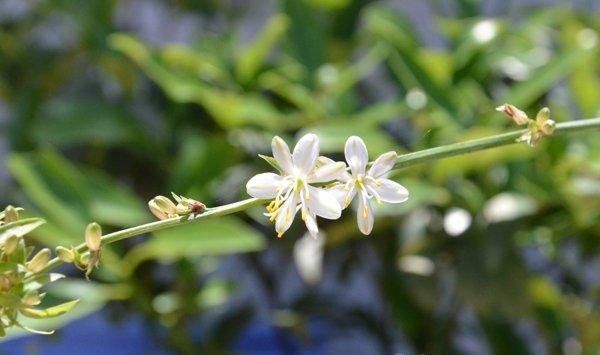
x,y
403,161
474,145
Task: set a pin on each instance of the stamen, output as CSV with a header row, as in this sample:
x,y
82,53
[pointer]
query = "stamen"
x,y
375,194
348,196
375,181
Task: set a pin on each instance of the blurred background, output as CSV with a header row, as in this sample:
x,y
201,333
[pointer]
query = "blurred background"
x,y
105,104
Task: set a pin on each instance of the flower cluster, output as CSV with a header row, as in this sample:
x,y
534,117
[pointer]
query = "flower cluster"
x,y
298,186
23,273
537,129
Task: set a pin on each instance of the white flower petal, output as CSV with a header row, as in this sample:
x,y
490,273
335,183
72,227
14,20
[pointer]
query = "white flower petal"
x,y
322,203
327,172
281,153
310,219
364,215
286,215
390,191
356,155
321,161
306,152
264,185
343,196
383,164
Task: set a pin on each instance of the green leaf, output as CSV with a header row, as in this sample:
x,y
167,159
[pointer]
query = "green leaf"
x,y
39,280
527,92
271,161
37,190
306,38
220,236
19,227
49,312
9,267
81,122
252,57
113,204
195,166
47,324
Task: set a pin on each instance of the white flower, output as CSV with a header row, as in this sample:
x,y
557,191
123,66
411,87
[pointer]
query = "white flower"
x,y
291,190
367,184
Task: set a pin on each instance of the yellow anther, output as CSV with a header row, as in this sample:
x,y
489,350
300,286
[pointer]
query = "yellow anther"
x,y
280,234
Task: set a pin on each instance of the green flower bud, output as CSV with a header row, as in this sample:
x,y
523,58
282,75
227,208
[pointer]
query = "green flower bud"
x,y
165,204
542,116
153,206
39,261
65,254
10,244
548,127
93,235
10,214
5,284
183,209
162,207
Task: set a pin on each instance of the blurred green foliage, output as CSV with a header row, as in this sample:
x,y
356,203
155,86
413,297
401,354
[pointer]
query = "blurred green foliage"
x,y
109,119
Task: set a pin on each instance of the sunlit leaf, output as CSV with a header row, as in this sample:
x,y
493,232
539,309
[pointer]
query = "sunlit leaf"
x,y
51,312
19,227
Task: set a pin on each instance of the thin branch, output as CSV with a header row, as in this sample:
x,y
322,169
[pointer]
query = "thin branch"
x,y
403,161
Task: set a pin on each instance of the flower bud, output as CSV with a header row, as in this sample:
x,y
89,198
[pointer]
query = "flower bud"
x,y
514,113
10,214
93,235
5,284
162,207
65,254
156,211
32,298
39,261
548,127
183,209
165,204
10,244
542,116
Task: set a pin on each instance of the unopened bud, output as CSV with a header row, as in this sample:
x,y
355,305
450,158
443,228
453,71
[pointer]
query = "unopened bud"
x,y
514,113
39,261
10,214
10,244
183,209
548,127
156,210
542,116
93,236
165,204
5,284
65,254
32,298
162,207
